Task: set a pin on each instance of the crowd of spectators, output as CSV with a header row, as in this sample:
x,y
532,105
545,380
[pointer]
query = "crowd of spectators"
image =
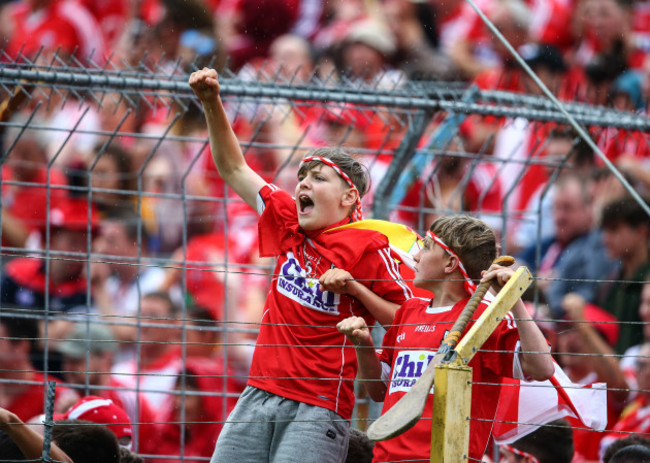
x,y
161,318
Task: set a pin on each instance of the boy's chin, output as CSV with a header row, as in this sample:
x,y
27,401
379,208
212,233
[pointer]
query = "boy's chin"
x,y
306,223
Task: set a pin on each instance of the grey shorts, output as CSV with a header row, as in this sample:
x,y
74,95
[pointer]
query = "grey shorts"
x,y
264,427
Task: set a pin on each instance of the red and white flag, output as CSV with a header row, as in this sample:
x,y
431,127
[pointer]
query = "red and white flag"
x,y
526,405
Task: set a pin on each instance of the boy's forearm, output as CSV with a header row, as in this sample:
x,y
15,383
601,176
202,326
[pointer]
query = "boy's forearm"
x,y
370,372
535,357
606,363
30,442
227,154
224,144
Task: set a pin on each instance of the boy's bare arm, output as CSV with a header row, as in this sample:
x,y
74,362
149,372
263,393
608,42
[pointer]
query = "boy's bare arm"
x,y
535,356
606,363
341,282
226,152
27,439
356,330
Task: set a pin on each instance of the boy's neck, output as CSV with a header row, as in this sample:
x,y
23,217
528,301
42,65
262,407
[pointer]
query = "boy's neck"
x,y
448,294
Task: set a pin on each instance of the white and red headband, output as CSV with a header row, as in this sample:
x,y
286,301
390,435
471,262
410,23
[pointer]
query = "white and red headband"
x,y
470,286
520,453
357,214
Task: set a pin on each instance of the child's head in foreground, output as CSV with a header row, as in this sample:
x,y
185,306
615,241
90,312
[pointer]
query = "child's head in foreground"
x,y
330,186
469,238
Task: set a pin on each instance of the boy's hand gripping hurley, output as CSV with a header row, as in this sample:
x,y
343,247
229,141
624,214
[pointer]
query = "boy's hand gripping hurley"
x,y
408,410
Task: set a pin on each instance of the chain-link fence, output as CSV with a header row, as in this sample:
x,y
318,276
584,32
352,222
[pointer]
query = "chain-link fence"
x,y
140,267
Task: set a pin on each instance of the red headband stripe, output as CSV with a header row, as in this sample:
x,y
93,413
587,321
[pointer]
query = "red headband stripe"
x,y
519,452
357,214
470,286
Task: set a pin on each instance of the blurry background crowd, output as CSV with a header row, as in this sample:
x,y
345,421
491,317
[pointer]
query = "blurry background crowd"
x,y
129,263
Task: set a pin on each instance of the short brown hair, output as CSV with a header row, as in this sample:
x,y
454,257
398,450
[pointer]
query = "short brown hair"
x,y
470,238
357,172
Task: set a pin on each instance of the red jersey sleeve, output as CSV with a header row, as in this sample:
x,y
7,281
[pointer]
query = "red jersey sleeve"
x,y
380,273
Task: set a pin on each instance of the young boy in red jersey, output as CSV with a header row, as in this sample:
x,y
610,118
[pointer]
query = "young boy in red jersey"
x,y
457,250
300,394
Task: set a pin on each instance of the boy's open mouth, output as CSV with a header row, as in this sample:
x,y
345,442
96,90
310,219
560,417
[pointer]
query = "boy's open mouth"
x,y
305,203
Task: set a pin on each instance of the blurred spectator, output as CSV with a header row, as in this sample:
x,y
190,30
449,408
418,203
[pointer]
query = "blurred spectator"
x,y
101,411
162,208
364,55
634,420
618,444
608,29
122,122
548,65
523,144
632,454
118,282
58,285
626,230
111,179
112,18
475,48
563,152
64,27
513,18
19,441
22,386
154,372
203,398
599,75
575,252
293,57
627,149
204,340
627,93
631,355
184,32
583,260
455,182
551,443
248,27
586,352
416,33
27,162
88,358
86,442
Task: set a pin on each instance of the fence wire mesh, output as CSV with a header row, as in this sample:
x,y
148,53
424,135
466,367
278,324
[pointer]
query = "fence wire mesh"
x,y
139,267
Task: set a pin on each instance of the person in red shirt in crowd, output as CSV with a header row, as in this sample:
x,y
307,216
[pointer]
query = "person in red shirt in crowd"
x,y
101,411
457,250
27,162
628,150
417,38
154,372
453,183
204,395
88,355
312,289
22,388
475,49
585,349
65,27
248,27
634,418
24,281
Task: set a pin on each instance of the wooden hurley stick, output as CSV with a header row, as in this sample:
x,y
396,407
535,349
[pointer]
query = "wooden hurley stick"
x,y
408,410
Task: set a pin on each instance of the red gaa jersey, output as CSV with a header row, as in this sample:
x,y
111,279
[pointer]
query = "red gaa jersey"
x,y
300,354
408,347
